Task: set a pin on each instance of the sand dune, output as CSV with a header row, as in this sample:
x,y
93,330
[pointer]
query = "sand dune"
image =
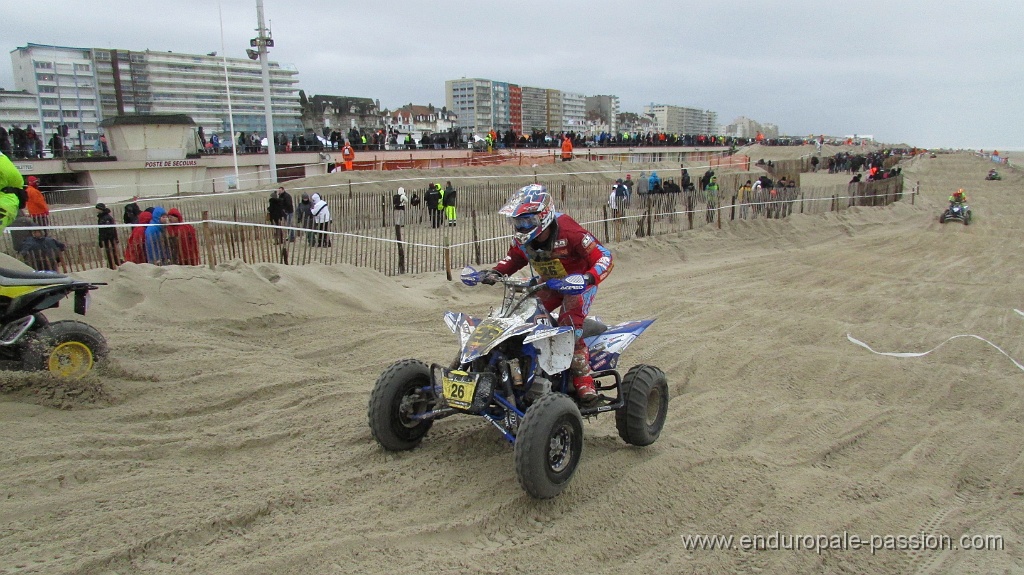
x,y
227,433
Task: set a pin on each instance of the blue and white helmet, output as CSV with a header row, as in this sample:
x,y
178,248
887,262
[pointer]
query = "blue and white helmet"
x,y
530,212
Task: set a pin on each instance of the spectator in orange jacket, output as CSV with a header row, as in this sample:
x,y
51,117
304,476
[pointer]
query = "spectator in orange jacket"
x,y
566,149
348,154
36,203
136,250
184,245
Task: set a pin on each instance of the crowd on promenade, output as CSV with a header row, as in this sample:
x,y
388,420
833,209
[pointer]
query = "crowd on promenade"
x,y
25,143
381,139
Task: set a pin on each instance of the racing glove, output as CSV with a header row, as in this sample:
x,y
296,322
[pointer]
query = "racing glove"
x,y
489,277
570,285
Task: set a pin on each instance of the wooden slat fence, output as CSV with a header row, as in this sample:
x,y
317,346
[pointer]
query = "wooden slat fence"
x,y
363,231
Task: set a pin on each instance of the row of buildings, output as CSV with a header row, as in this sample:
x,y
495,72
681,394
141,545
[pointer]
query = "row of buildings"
x,y
72,90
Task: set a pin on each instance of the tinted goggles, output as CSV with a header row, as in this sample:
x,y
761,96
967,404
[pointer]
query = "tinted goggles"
x,y
525,223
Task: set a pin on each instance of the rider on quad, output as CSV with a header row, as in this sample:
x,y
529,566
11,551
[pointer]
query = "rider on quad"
x,y
12,192
567,257
992,175
958,197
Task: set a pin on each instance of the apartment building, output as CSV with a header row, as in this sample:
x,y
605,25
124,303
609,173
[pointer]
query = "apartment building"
x,y
574,112
680,120
80,87
20,109
153,82
483,105
64,81
602,113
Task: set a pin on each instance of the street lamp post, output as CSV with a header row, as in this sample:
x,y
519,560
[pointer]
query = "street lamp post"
x,y
262,42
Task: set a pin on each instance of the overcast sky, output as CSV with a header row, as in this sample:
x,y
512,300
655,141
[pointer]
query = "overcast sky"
x,y
931,73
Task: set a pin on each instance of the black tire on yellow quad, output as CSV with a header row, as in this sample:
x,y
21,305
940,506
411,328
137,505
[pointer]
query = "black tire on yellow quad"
x,y
549,445
645,390
66,349
397,395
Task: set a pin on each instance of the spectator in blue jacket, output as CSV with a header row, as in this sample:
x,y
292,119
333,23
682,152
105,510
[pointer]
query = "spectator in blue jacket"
x,y
157,249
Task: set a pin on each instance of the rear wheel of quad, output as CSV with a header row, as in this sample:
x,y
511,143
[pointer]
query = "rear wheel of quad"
x,y
645,390
66,349
549,445
401,392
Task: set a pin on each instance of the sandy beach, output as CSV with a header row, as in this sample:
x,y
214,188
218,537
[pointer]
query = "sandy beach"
x,y
227,433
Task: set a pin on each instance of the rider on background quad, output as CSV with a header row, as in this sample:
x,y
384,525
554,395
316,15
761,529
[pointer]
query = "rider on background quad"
x,y
958,197
568,258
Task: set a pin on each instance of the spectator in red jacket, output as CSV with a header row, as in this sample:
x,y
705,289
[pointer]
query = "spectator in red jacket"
x,y
182,237
136,249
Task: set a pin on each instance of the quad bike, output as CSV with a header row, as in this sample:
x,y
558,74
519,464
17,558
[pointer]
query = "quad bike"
x,y
28,341
993,175
512,369
956,212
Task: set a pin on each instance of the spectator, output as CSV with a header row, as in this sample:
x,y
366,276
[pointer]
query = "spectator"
x,y
184,245
135,251
399,201
108,236
321,221
131,212
57,146
289,211
157,246
275,214
36,203
757,196
566,149
743,198
654,183
621,195
432,199
613,197
41,252
304,215
348,154
629,183
711,196
450,200
19,236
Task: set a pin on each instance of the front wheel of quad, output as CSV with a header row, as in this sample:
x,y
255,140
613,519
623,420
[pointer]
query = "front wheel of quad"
x,y
549,445
401,393
645,390
67,349
942,218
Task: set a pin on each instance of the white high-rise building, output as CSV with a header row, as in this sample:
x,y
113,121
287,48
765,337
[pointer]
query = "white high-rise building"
x,y
19,109
64,80
574,112
80,87
152,82
680,120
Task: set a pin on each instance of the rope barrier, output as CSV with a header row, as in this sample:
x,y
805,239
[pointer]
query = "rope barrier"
x,y
637,216
924,353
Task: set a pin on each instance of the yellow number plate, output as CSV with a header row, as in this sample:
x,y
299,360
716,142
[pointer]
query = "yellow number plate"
x,y
458,387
